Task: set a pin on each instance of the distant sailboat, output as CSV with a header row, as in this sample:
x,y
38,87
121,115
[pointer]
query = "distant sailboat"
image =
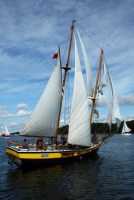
x,y
45,119
125,130
5,132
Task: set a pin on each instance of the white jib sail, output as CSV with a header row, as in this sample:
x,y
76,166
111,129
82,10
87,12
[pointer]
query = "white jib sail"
x,y
44,119
88,68
79,127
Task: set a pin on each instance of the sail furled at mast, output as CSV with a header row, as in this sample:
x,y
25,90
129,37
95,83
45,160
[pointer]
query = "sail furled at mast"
x,y
44,119
79,126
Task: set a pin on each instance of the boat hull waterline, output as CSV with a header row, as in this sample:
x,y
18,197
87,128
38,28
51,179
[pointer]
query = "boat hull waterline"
x,y
126,134
34,158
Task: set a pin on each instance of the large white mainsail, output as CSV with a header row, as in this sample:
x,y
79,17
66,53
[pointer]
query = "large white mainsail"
x,y
88,68
44,119
79,126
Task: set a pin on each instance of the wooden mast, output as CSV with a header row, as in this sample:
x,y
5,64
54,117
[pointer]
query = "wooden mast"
x,y
68,57
96,86
66,68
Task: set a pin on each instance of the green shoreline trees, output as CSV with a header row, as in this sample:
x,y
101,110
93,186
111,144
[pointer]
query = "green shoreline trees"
x,y
98,128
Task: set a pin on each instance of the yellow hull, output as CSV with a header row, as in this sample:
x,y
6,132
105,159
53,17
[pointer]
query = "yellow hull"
x,y
42,157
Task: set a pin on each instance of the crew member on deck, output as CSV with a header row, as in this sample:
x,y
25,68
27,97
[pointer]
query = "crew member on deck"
x,y
25,144
40,144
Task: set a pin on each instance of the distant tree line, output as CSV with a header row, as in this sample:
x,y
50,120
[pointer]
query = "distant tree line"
x,y
130,125
101,128
98,128
104,127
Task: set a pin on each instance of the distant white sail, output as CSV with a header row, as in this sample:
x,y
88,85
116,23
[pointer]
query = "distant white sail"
x,y
79,127
7,131
44,119
125,128
88,68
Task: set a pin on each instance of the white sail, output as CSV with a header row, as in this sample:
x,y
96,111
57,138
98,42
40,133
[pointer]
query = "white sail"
x,y
88,69
116,111
79,127
109,86
125,128
44,119
104,76
7,131
109,116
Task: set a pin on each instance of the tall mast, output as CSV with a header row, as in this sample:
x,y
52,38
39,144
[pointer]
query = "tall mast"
x,y
96,86
68,57
66,68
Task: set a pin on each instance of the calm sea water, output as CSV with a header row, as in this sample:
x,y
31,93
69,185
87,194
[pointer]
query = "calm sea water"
x,y
110,176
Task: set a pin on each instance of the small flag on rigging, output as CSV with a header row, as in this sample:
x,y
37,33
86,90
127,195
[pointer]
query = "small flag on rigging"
x,y
55,55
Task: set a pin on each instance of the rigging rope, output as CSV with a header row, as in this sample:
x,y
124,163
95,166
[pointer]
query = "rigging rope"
x,y
96,43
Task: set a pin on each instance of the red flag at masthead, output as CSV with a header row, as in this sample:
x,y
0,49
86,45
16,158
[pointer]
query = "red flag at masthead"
x,y
55,55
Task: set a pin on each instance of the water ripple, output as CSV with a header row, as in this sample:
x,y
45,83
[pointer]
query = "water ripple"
x,y
108,176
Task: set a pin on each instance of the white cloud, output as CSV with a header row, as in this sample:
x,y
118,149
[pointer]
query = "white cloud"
x,y
20,113
127,99
22,106
23,113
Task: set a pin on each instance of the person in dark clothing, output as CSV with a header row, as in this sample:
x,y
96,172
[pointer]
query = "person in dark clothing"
x,y
25,144
63,141
40,144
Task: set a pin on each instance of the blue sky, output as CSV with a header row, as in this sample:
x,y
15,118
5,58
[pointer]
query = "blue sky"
x,y
30,33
